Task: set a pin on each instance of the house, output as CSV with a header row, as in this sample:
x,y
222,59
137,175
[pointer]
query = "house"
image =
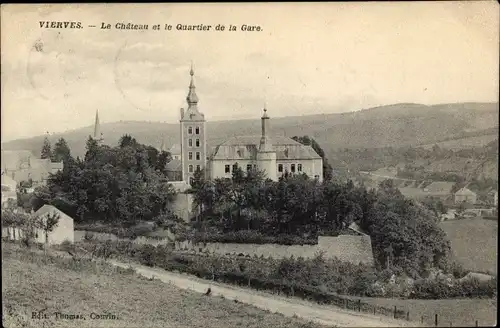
x,y
22,165
175,151
465,195
64,230
441,190
182,206
8,190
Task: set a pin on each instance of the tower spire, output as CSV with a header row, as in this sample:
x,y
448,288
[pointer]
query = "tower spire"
x,y
265,143
192,98
97,127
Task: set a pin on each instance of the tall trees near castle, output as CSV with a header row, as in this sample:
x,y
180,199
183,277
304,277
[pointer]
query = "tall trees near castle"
x,y
297,205
308,141
111,184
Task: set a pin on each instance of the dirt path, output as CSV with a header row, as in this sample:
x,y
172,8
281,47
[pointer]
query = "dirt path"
x,y
327,315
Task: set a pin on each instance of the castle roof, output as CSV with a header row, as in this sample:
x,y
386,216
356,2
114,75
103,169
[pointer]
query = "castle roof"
x,y
440,187
175,149
465,191
246,147
174,165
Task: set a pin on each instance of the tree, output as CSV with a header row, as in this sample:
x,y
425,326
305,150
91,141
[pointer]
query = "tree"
x,y
308,141
48,223
61,151
127,141
46,149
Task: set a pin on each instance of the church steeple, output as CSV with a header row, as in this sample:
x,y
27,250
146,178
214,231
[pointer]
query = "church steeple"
x,y
192,98
97,127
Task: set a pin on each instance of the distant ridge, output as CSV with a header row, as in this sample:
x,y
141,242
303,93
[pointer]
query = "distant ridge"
x,y
396,125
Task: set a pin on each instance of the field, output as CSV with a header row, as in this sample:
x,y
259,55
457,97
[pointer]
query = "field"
x,y
474,243
469,142
32,281
458,312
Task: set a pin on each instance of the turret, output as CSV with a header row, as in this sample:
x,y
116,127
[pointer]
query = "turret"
x,y
266,156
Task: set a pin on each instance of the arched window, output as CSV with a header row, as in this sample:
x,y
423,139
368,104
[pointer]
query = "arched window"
x,y
190,130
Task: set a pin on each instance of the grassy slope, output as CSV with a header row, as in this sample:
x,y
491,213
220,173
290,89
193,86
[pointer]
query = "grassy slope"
x,y
474,242
393,125
28,285
460,312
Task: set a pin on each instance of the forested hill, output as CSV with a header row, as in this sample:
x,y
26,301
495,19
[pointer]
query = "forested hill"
x,y
387,126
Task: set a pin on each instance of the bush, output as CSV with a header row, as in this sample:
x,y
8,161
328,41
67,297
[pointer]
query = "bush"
x,y
248,237
438,289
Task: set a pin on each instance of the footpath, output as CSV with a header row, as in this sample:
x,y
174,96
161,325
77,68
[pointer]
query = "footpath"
x,y
288,306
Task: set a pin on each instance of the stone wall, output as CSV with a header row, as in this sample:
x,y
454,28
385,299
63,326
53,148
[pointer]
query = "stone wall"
x,y
80,236
352,249
347,248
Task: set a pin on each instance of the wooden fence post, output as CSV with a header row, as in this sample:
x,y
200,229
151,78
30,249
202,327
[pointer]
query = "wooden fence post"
x,y
359,305
476,324
408,316
374,308
422,319
394,311
436,320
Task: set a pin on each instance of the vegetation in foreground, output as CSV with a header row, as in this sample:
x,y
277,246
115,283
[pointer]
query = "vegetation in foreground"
x,y
34,281
474,243
318,279
451,312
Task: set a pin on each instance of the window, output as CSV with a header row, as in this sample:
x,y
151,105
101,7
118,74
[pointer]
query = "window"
x,y
191,180
280,167
197,130
198,156
197,142
292,168
299,167
255,166
249,167
190,168
227,169
235,167
316,177
190,155
190,142
198,168
190,130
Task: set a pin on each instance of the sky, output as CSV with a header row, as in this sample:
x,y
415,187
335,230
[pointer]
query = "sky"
x,y
309,58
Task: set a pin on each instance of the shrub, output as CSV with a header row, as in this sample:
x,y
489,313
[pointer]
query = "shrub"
x,y
247,237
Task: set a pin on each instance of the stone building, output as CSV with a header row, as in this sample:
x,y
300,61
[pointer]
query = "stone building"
x,y
275,155
63,231
22,165
465,195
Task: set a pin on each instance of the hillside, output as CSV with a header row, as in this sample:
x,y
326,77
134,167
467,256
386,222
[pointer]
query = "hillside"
x,y
386,126
474,243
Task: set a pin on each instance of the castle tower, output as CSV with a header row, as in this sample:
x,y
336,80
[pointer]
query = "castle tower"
x,y
193,135
266,155
97,128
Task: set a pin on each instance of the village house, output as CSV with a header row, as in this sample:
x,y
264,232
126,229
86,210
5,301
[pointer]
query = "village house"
x,y
22,165
8,190
63,231
441,190
465,195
